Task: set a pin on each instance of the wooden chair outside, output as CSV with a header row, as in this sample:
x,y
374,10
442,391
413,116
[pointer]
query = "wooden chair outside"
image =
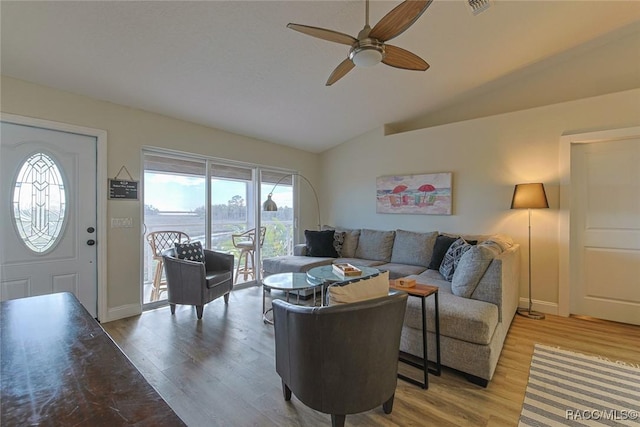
x,y
160,241
246,242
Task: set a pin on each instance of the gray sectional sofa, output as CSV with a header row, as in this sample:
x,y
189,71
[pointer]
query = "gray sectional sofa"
x,y
478,290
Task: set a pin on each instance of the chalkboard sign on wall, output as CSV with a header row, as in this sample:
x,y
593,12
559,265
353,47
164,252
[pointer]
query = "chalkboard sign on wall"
x,y
120,189
123,190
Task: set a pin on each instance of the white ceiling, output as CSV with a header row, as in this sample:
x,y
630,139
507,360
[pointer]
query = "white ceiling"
x,y
234,65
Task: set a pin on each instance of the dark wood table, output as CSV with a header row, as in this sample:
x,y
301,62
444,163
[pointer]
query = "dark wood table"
x,y
422,292
59,367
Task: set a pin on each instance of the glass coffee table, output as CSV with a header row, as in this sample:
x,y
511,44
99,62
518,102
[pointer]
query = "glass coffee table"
x,y
326,275
288,282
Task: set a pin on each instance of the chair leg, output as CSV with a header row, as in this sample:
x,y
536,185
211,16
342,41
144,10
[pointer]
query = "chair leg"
x,y
246,265
157,278
226,298
387,406
253,264
286,391
173,308
199,310
337,420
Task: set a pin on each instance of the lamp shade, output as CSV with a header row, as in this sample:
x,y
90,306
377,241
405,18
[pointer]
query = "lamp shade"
x,y
269,205
529,196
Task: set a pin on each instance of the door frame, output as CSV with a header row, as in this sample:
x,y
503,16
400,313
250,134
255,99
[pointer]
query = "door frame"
x,y
101,192
564,225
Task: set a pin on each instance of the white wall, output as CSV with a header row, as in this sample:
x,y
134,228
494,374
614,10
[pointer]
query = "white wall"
x,y
127,131
487,156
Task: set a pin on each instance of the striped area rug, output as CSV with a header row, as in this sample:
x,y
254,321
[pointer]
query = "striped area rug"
x,y
571,389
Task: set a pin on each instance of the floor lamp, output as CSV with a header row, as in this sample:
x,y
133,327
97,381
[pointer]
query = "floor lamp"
x,y
270,206
529,196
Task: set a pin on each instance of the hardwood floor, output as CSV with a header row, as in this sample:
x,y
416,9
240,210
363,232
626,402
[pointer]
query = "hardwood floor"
x,y
221,371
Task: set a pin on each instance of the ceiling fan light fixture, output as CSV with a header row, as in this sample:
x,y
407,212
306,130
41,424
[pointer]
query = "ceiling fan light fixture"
x,y
366,57
367,53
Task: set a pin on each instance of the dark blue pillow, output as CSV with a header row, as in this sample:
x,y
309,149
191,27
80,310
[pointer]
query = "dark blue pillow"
x,y
190,251
439,250
320,243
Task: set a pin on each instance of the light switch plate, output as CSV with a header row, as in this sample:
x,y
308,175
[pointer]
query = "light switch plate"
x,y
122,222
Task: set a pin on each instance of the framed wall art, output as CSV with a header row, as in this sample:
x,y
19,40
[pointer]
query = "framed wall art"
x,y
425,194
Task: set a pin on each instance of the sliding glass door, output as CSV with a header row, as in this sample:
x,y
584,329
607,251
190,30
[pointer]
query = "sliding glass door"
x,y
174,201
218,204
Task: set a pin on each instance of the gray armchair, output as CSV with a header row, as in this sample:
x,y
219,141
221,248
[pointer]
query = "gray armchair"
x,y
197,283
341,359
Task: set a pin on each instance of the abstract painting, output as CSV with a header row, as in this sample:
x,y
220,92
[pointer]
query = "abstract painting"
x,y
425,194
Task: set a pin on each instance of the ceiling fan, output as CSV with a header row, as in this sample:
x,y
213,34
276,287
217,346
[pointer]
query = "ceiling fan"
x,y
370,47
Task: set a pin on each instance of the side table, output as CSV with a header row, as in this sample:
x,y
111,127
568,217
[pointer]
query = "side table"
x,y
422,292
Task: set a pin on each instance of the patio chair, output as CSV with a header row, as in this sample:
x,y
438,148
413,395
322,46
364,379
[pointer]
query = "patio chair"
x,y
159,242
246,242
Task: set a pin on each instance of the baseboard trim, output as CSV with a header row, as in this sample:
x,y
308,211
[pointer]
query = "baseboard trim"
x,y
120,312
541,306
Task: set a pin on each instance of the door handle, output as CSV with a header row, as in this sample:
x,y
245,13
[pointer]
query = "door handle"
x,y
91,242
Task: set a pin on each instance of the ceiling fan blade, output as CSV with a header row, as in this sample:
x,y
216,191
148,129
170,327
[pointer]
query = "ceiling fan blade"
x,y
400,58
399,19
340,71
324,34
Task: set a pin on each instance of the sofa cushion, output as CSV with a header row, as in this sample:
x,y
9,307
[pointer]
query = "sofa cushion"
x,y
359,289
397,271
293,264
460,318
470,269
413,248
433,278
320,243
452,258
375,245
190,251
440,249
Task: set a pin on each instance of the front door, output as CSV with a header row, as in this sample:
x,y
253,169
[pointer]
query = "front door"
x,y
605,222
48,221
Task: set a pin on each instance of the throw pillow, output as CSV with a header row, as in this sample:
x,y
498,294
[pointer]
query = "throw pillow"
x,y
338,241
375,245
190,251
440,250
359,290
452,258
470,270
320,243
350,244
413,248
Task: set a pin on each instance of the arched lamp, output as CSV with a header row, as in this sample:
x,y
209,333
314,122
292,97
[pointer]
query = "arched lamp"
x,y
270,206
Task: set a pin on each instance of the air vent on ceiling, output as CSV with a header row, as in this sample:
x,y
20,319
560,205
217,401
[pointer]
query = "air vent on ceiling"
x,y
478,6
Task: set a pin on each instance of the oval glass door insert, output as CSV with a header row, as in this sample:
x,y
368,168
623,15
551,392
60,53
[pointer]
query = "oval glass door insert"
x,y
39,202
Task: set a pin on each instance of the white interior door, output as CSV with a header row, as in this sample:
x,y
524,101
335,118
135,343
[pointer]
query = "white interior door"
x,y
605,230
48,223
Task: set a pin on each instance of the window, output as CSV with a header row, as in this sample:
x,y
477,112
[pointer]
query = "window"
x,y
39,202
210,200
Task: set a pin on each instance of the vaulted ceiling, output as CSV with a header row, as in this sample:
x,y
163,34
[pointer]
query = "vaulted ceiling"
x,y
235,66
